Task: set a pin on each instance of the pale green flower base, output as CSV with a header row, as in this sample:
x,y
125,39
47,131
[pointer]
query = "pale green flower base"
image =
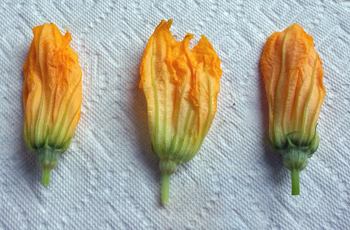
x,y
295,159
47,159
167,167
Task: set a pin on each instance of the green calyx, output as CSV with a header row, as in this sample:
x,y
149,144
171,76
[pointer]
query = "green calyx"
x,y
295,160
295,154
47,159
47,154
167,167
173,152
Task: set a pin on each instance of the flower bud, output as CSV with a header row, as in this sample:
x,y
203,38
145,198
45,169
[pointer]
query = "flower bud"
x,y
293,77
181,88
52,96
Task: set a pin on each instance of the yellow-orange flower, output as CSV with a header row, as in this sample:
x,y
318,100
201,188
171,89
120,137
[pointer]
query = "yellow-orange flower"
x,y
52,95
293,78
181,88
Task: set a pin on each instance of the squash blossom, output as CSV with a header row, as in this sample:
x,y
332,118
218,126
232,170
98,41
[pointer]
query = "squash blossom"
x,y
52,96
181,88
293,77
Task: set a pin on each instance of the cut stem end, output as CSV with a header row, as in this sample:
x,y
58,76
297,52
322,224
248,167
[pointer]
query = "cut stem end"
x,y
165,188
46,177
295,182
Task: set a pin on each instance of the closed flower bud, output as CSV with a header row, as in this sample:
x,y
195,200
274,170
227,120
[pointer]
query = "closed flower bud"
x,y
181,88
293,77
52,96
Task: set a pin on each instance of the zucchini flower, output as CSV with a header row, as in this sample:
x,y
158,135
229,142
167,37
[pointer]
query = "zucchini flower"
x,y
293,77
52,96
181,88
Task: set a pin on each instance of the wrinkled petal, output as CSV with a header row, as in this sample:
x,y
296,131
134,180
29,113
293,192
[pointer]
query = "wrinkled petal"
x,y
293,74
52,91
52,95
293,77
181,88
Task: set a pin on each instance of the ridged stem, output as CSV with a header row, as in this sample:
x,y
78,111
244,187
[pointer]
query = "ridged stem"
x,y
47,159
295,182
46,177
165,188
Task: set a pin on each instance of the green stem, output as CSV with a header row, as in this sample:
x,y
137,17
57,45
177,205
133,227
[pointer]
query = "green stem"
x,y
46,177
47,159
165,188
295,182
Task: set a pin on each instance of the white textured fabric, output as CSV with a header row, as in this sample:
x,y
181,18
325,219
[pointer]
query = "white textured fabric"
x,y
109,179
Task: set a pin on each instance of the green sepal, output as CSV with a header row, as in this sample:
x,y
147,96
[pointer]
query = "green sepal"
x,y
295,155
47,155
167,167
295,159
47,159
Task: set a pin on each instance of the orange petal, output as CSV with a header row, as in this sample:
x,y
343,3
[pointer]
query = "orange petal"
x,y
181,88
293,75
52,91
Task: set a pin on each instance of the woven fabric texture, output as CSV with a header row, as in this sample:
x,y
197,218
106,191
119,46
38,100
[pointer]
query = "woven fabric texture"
x,y
109,178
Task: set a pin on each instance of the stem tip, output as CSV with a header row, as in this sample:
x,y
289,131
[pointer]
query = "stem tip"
x,y
165,188
295,182
46,177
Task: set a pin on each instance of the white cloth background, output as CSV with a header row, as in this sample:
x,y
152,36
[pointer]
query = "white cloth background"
x,y
109,179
